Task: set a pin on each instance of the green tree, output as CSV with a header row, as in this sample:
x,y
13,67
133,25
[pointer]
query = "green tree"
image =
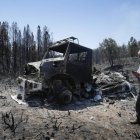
x,y
133,47
110,49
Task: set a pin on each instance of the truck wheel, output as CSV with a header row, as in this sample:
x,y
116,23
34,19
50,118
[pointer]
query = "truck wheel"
x,y
86,95
65,97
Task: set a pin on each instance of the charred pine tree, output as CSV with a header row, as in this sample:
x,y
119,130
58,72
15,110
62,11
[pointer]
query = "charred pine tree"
x,y
39,43
32,49
46,38
15,48
5,50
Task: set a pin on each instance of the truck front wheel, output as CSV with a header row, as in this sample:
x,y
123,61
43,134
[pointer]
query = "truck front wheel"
x,y
65,97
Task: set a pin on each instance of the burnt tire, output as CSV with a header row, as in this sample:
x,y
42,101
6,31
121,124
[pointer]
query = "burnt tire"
x,y
86,95
65,97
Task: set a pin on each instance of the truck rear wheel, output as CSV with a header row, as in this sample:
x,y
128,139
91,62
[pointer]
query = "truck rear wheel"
x,y
65,97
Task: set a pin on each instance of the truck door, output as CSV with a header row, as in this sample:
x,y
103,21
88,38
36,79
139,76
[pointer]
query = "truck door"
x,y
79,66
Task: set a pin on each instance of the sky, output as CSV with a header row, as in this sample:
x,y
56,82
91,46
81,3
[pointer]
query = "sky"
x,y
89,20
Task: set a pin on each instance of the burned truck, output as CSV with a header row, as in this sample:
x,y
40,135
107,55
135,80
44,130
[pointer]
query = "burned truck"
x,y
67,71
65,68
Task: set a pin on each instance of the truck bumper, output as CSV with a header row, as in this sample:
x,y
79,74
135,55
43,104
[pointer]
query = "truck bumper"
x,y
26,87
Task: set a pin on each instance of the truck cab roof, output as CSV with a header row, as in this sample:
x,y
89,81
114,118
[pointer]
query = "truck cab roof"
x,y
61,46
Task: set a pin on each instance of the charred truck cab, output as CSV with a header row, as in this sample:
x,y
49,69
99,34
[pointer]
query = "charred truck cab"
x,y
64,69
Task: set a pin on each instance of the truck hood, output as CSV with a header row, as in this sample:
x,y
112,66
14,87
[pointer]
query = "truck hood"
x,y
38,63
35,64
